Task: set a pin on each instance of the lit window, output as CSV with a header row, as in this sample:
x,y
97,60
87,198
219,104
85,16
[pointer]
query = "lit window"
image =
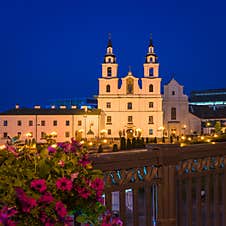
x,y
150,131
173,113
108,104
130,119
109,131
67,134
151,104
79,122
54,122
150,88
150,120
30,123
43,123
129,106
19,123
5,123
108,89
67,123
108,119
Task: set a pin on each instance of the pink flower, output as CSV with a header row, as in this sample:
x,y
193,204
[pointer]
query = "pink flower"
x,y
27,203
39,185
97,184
74,176
64,184
46,198
61,163
60,209
83,192
12,150
5,214
84,161
51,149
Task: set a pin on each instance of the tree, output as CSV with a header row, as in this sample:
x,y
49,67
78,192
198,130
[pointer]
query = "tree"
x,y
217,127
115,148
122,143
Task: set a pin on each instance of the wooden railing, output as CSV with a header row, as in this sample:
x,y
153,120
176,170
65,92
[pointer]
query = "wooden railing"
x,y
166,185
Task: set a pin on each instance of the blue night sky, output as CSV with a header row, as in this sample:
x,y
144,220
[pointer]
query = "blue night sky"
x,y
54,49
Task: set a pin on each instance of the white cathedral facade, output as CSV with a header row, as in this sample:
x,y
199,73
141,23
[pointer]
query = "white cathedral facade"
x,y
128,106
131,109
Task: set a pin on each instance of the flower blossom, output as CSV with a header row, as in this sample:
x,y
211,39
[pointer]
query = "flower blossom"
x,y
83,192
27,203
61,163
39,185
64,184
74,176
5,214
46,198
61,209
84,161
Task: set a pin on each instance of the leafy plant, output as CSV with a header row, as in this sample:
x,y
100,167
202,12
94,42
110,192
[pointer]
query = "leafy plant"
x,y
48,184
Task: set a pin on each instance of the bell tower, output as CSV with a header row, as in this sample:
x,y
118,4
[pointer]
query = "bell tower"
x,y
151,65
109,66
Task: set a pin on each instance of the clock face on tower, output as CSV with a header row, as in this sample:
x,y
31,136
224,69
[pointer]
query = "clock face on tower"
x,y
129,86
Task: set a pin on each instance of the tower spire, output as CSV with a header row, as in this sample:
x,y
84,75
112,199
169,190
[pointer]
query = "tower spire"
x,y
109,40
151,41
109,56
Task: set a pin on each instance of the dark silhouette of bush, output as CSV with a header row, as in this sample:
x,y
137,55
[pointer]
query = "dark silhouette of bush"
x,y
100,149
171,139
163,140
128,144
115,148
155,140
147,140
134,143
122,143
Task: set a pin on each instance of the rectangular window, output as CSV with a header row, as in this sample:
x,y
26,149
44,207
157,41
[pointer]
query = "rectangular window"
x,y
151,104
150,131
150,120
30,123
18,134
173,113
5,135
43,123
108,120
109,131
129,106
43,134
54,122
5,123
79,122
67,123
19,123
67,134
108,105
130,119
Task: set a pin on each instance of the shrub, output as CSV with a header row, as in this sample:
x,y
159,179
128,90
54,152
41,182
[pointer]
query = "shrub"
x,y
115,148
100,149
46,184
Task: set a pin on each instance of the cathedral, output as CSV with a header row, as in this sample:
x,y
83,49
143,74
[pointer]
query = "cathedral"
x,y
128,106
132,108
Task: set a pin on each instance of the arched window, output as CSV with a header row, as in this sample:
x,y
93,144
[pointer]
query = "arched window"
x,y
109,71
129,106
151,71
150,88
108,89
173,113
